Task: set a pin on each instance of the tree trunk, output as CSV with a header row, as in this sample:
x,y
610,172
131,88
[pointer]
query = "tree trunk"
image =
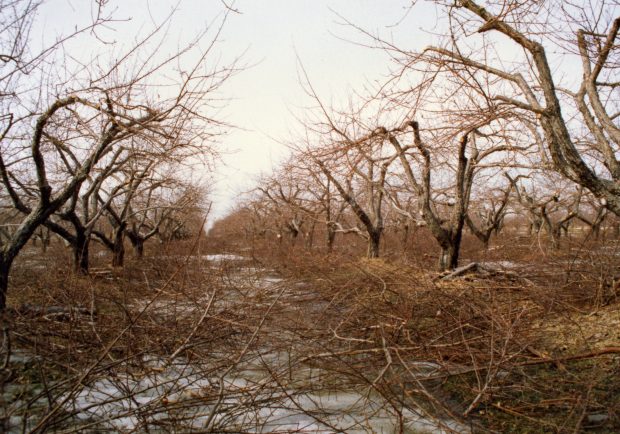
x,y
454,257
554,234
405,237
596,230
118,255
499,226
374,240
448,258
331,237
81,253
118,250
45,239
5,267
12,248
485,241
450,250
310,237
139,248
137,242
483,235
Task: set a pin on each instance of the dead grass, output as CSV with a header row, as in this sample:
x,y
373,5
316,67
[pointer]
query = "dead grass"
x,y
534,351
528,351
150,308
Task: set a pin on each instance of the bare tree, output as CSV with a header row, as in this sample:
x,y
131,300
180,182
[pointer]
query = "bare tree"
x,y
83,211
74,127
594,215
578,127
549,211
358,169
303,194
331,209
447,233
490,216
284,194
118,203
471,155
155,203
183,215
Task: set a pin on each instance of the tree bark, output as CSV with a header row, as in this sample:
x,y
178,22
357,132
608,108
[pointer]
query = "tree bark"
x,y
331,237
21,236
483,235
139,248
81,253
118,250
310,237
137,241
449,256
5,267
566,158
374,241
405,237
45,239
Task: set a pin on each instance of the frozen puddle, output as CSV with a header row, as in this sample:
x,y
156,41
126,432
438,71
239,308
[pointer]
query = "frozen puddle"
x,y
223,257
189,398
218,257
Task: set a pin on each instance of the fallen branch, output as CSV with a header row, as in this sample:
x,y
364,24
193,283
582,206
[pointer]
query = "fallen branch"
x,y
474,266
482,269
596,353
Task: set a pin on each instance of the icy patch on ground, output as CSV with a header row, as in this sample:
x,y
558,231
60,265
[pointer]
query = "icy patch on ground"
x,y
177,395
251,402
223,257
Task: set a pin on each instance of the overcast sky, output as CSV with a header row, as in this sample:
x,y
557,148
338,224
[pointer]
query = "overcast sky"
x,y
273,36
268,95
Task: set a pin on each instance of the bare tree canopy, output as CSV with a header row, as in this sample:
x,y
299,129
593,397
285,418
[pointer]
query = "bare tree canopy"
x,y
515,56
68,129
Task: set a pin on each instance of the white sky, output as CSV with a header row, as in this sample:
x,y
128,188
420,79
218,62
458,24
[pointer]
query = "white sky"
x,y
266,96
269,94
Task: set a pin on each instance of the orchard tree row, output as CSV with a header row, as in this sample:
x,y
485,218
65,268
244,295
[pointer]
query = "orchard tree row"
x,y
514,112
100,148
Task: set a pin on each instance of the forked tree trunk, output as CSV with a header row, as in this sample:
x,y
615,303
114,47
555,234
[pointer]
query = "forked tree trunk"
x,y
294,237
118,255
483,235
485,242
